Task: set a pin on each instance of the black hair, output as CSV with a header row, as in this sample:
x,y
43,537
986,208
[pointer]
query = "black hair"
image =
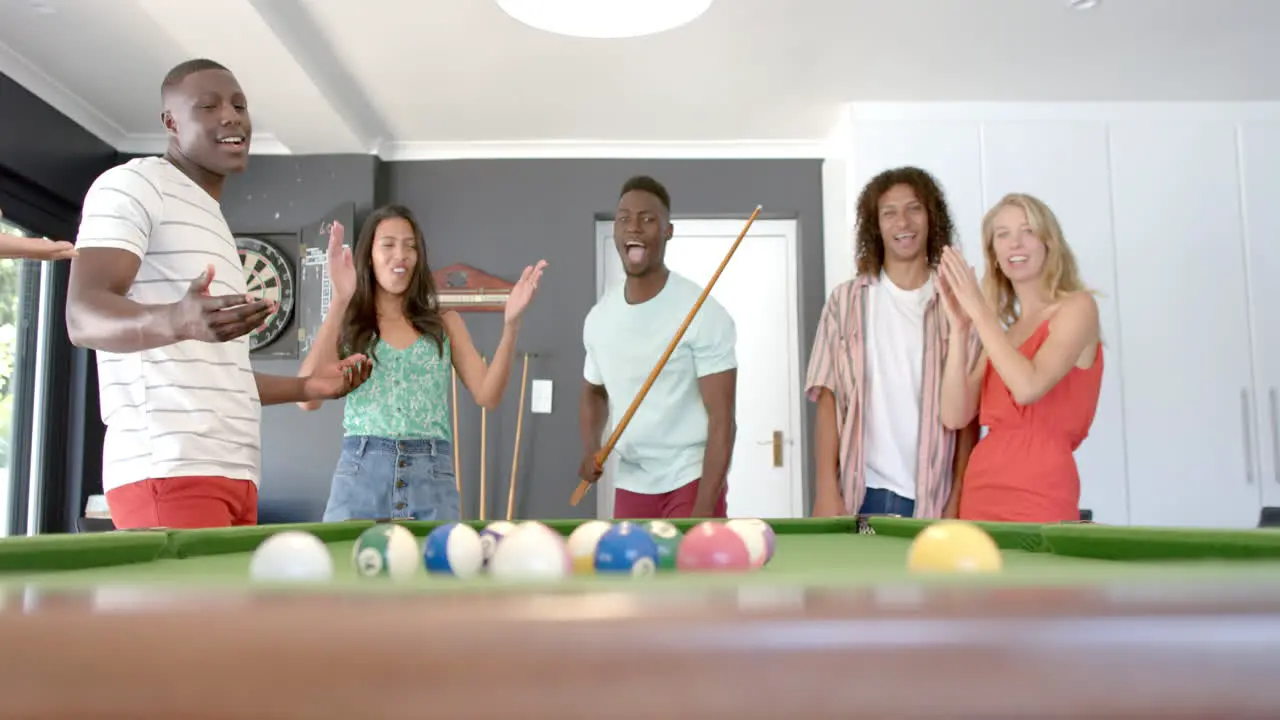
x,y
647,184
180,72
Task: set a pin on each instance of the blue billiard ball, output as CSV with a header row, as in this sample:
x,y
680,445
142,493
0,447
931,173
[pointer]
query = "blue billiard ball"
x,y
626,548
453,549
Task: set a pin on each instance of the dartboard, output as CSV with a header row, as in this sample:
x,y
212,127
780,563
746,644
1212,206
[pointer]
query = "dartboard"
x,y
267,274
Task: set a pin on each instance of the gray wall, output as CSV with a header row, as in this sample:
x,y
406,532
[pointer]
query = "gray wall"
x,y
499,215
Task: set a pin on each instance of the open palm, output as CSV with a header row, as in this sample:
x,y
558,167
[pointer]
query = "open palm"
x,y
524,291
342,271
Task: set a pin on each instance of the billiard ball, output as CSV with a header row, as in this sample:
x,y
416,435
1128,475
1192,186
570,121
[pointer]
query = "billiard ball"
x,y
667,537
453,549
492,535
752,532
954,546
531,553
291,556
712,547
386,550
627,548
582,545
770,537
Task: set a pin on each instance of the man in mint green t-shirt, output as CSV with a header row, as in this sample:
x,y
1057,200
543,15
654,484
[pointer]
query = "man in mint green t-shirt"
x,y
673,457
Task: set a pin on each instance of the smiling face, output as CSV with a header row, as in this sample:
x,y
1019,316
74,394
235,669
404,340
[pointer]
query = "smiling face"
x,y
904,224
1015,246
394,255
207,116
641,230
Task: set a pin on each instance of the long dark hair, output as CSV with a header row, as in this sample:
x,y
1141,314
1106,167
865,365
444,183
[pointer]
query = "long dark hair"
x,y
870,245
421,304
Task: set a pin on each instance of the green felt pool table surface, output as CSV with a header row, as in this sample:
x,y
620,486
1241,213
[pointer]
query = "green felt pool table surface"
x,y
837,552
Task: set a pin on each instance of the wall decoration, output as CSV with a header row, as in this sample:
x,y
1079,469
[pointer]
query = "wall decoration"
x,y
466,289
268,274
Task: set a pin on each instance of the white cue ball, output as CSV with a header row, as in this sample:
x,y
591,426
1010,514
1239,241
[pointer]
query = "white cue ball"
x,y
291,556
533,553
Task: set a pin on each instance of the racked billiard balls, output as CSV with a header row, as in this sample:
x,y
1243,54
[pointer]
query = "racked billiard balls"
x,y
386,550
667,537
711,546
627,548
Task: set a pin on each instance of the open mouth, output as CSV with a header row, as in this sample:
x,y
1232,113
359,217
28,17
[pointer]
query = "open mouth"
x,y
1016,260
398,270
904,238
233,142
636,251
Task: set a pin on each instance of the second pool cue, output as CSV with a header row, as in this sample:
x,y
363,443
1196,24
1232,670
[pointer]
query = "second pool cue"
x,y
515,452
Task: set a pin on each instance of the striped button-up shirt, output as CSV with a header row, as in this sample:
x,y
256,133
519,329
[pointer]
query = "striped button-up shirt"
x,y
838,364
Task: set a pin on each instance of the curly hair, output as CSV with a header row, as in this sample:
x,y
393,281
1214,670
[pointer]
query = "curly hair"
x,y
869,244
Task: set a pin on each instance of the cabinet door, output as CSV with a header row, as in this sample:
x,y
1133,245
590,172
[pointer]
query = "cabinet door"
x,y
1030,157
1181,285
949,151
1260,170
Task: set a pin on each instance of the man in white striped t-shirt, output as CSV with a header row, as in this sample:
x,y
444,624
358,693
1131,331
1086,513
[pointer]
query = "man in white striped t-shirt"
x,y
158,291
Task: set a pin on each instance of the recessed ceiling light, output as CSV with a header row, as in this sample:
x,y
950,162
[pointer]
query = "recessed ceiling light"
x,y
1082,4
605,18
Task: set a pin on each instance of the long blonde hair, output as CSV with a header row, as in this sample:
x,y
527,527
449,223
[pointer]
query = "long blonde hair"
x,y
1060,275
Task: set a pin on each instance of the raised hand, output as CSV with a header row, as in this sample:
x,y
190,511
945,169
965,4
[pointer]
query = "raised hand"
x,y
961,282
337,380
32,248
524,291
956,316
342,272
216,318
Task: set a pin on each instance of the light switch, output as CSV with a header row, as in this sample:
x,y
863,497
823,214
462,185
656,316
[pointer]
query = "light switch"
x,y
540,397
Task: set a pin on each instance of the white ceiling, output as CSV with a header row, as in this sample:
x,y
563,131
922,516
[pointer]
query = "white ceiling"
x,y
431,78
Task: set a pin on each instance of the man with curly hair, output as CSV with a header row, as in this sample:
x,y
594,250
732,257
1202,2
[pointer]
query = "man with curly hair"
x,y
876,367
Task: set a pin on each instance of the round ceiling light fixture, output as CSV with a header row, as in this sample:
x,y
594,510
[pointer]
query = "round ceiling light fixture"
x,y
605,18
1082,4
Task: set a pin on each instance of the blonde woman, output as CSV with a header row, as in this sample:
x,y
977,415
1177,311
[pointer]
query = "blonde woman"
x,y
1039,374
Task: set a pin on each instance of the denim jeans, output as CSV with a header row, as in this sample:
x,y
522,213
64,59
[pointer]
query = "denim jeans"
x,y
383,478
879,501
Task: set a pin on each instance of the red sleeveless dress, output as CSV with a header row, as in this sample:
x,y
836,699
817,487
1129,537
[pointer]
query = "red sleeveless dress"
x,y
1024,469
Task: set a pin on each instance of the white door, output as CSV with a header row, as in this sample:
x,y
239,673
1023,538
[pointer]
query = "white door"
x,y
759,290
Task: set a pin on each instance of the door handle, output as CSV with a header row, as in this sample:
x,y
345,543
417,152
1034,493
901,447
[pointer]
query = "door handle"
x,y
777,447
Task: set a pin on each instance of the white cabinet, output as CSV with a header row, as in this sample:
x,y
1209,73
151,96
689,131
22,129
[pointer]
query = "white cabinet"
x,y
1169,209
1180,267
1065,165
1260,172
951,152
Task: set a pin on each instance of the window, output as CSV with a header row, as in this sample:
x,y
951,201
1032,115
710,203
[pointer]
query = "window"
x,y
14,365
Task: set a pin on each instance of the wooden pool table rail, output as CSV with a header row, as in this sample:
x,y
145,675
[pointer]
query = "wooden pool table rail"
x,y
754,652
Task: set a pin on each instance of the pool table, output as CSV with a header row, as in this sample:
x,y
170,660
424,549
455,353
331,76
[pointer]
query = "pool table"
x,y
1084,620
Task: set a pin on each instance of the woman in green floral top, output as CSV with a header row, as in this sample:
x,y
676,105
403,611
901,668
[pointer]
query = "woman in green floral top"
x,y
397,453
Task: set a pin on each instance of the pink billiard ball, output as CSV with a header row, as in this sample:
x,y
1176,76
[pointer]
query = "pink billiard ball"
x,y
712,546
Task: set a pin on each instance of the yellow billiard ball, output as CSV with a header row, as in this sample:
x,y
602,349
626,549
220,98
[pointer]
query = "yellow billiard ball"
x,y
953,546
582,545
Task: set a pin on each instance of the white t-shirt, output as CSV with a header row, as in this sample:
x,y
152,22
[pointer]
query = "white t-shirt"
x,y
895,365
190,408
663,445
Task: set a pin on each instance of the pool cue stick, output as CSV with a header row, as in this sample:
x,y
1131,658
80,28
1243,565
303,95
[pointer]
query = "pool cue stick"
x,y
583,485
515,453
484,441
457,456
